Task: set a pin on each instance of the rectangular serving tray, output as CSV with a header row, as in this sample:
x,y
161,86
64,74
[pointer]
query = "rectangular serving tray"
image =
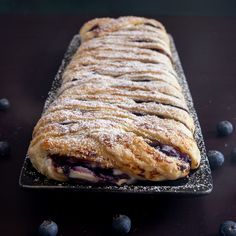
x,y
198,182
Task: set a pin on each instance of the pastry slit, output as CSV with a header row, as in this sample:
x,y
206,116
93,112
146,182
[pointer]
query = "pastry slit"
x,y
128,108
166,104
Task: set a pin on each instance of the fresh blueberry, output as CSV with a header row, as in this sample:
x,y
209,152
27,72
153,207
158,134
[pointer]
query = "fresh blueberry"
x,y
4,104
224,128
215,158
4,149
121,225
228,228
48,228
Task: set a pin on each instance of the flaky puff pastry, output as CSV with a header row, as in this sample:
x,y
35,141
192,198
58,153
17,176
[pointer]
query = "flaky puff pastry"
x,y
119,115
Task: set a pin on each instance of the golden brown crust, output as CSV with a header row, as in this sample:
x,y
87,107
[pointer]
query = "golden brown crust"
x,y
120,107
103,26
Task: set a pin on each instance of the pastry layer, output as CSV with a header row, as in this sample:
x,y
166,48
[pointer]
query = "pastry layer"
x,y
119,115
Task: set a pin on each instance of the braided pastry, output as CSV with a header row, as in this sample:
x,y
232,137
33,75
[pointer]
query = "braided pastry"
x,y
119,115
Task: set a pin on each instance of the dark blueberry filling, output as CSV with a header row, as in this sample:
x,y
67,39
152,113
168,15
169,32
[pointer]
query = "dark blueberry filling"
x,y
60,162
66,170
94,28
104,175
67,123
143,80
101,171
138,113
182,167
170,151
149,24
143,41
160,51
140,101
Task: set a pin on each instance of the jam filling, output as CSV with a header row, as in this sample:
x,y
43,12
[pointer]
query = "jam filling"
x,y
67,123
94,28
143,41
143,80
161,51
83,171
170,151
97,174
138,113
149,24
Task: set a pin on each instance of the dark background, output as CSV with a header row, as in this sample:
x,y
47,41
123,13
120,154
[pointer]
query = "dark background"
x,y
33,38
121,7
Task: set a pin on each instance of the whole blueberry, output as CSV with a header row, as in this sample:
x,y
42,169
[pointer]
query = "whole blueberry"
x,y
224,128
228,228
4,104
4,149
216,159
48,228
121,225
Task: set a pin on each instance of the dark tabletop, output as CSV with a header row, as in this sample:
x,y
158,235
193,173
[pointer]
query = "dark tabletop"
x,y
31,48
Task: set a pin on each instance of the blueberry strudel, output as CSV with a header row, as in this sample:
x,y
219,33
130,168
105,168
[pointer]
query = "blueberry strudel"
x,y
119,114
